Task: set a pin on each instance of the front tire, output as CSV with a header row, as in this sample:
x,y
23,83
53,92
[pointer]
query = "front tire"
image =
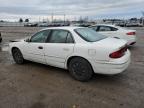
x,y
0,40
80,69
17,56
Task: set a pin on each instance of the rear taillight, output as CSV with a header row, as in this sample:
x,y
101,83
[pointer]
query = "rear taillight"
x,y
131,33
119,53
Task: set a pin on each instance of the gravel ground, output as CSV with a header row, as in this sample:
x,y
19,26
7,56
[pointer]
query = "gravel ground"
x,y
34,85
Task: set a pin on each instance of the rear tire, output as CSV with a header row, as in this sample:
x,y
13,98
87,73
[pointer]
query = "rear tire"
x,y
17,56
80,69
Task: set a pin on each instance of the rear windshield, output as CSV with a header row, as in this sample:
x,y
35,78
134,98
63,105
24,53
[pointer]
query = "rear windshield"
x,y
89,35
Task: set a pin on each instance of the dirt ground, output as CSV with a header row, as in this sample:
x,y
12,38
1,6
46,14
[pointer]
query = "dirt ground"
x,y
34,85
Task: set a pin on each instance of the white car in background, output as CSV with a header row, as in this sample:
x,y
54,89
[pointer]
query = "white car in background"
x,y
116,32
80,50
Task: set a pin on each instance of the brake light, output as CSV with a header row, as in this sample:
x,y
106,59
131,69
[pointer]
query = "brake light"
x,y
131,33
119,53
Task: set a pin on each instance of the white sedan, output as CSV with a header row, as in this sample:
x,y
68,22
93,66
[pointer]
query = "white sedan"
x,y
80,50
116,32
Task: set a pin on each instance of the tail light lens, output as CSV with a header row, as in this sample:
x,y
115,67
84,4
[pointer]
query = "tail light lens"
x,y
118,53
131,33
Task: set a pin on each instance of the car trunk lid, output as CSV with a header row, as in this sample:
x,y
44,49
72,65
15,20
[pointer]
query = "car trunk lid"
x,y
108,46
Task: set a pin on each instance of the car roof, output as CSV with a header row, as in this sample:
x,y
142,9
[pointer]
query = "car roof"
x,y
104,25
64,28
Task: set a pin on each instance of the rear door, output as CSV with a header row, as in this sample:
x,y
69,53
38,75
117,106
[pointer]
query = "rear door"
x,y
60,45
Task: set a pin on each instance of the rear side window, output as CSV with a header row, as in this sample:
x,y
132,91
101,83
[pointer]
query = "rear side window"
x,y
69,38
60,36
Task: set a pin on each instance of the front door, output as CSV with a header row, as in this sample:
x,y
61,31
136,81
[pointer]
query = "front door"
x,y
34,49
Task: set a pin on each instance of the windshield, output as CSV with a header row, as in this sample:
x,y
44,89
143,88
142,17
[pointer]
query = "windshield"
x,y
89,35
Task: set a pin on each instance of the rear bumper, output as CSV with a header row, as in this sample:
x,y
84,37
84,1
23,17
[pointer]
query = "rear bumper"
x,y
113,67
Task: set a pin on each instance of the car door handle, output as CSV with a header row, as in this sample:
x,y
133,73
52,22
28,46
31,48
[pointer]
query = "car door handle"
x,y
40,47
66,49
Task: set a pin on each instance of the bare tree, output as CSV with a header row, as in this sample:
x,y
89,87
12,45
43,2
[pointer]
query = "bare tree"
x,y
26,20
20,20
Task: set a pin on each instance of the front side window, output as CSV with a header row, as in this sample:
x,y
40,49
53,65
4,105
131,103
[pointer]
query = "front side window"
x,y
89,35
40,37
60,36
107,28
94,28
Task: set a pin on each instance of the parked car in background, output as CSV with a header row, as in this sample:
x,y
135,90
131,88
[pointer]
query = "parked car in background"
x,y
80,50
133,24
0,38
30,25
43,24
116,32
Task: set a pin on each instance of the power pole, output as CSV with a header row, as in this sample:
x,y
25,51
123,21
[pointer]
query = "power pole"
x,y
64,18
52,18
143,18
43,18
39,19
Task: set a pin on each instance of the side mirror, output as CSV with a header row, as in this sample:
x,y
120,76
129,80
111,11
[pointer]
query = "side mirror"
x,y
27,40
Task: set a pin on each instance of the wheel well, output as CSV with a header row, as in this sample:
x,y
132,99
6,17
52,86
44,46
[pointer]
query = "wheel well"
x,y
68,61
13,49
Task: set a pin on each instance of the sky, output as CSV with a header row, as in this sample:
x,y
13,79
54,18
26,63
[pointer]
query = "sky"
x,y
73,9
